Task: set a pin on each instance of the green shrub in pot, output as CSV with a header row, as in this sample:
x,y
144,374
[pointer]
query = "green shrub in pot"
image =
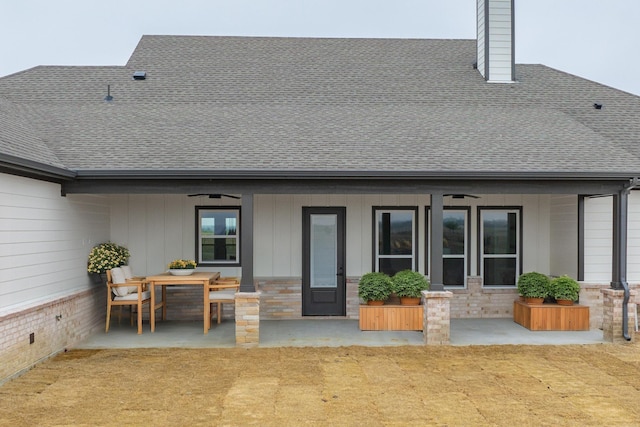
x,y
534,285
565,288
374,286
408,283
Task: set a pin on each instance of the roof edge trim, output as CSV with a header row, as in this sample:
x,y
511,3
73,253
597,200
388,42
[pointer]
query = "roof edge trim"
x,y
32,169
82,174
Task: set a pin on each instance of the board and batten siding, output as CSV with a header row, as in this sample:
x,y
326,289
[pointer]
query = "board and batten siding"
x,y
278,230
598,239
159,228
633,238
564,235
45,240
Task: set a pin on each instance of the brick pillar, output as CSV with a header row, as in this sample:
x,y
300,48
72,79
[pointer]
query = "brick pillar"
x,y
612,315
247,319
437,317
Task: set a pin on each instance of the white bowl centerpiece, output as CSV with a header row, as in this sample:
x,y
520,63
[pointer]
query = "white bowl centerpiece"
x,y
182,267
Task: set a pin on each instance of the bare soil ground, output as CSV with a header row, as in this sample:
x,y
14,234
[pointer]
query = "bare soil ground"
x,y
591,385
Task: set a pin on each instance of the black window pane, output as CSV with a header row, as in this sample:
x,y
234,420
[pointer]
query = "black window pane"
x,y
219,249
453,233
395,231
499,230
499,272
453,271
392,265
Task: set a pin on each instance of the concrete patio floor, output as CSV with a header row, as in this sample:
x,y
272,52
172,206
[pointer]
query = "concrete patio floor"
x,y
327,333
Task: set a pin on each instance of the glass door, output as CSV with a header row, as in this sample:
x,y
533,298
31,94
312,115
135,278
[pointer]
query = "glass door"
x,y
323,281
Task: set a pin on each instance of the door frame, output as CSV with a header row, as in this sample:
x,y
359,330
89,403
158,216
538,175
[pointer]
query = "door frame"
x,y
341,290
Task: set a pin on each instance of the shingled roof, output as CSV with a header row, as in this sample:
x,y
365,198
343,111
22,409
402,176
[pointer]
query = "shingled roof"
x,y
248,104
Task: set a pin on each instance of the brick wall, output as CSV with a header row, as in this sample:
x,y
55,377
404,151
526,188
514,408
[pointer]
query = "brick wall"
x,y
591,295
55,325
247,319
281,298
476,302
437,317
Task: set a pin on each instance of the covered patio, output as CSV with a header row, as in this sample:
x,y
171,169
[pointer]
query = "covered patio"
x,y
329,333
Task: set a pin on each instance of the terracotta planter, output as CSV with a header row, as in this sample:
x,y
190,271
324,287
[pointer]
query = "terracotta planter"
x,y
410,301
375,302
531,300
564,302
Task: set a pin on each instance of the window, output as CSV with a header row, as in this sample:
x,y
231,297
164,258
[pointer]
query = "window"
x,y
218,235
454,247
500,246
455,232
395,240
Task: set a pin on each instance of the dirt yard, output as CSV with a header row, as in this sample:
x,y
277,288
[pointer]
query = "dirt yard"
x,y
592,385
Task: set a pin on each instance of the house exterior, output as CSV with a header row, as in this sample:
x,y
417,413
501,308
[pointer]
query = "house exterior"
x,y
301,164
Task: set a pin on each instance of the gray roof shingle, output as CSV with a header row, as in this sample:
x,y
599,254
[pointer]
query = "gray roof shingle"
x,y
295,104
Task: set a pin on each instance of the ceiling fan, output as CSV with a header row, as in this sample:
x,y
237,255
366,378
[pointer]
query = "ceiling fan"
x,y
214,196
461,196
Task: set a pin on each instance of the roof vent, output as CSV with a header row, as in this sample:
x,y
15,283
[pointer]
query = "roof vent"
x,y
140,75
597,106
108,98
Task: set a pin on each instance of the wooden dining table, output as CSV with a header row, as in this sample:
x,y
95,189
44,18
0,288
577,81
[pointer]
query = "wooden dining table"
x,y
198,278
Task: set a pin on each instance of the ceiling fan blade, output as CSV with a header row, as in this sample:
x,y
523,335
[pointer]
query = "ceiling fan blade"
x,y
461,196
214,196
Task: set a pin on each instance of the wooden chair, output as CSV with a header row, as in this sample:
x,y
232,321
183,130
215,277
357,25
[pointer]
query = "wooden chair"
x,y
223,291
126,292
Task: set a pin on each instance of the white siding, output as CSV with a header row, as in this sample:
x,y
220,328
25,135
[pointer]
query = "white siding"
x,y
564,235
499,34
286,218
598,237
45,240
481,37
633,243
535,228
160,228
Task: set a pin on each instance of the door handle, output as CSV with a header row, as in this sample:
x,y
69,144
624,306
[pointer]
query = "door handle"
x,y
340,272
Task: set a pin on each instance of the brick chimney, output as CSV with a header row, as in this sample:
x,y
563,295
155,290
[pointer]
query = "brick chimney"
x,y
496,40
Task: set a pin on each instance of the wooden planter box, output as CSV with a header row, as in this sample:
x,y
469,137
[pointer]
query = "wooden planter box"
x,y
551,317
391,317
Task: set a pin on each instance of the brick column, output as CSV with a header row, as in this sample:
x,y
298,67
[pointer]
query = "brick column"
x,y
612,315
247,319
437,317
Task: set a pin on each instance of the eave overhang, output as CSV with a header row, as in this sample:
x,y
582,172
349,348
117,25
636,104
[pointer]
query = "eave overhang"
x,y
346,182
31,169
174,174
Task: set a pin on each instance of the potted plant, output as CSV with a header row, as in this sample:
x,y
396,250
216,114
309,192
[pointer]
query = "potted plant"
x,y
565,290
182,267
106,256
374,288
408,285
534,287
